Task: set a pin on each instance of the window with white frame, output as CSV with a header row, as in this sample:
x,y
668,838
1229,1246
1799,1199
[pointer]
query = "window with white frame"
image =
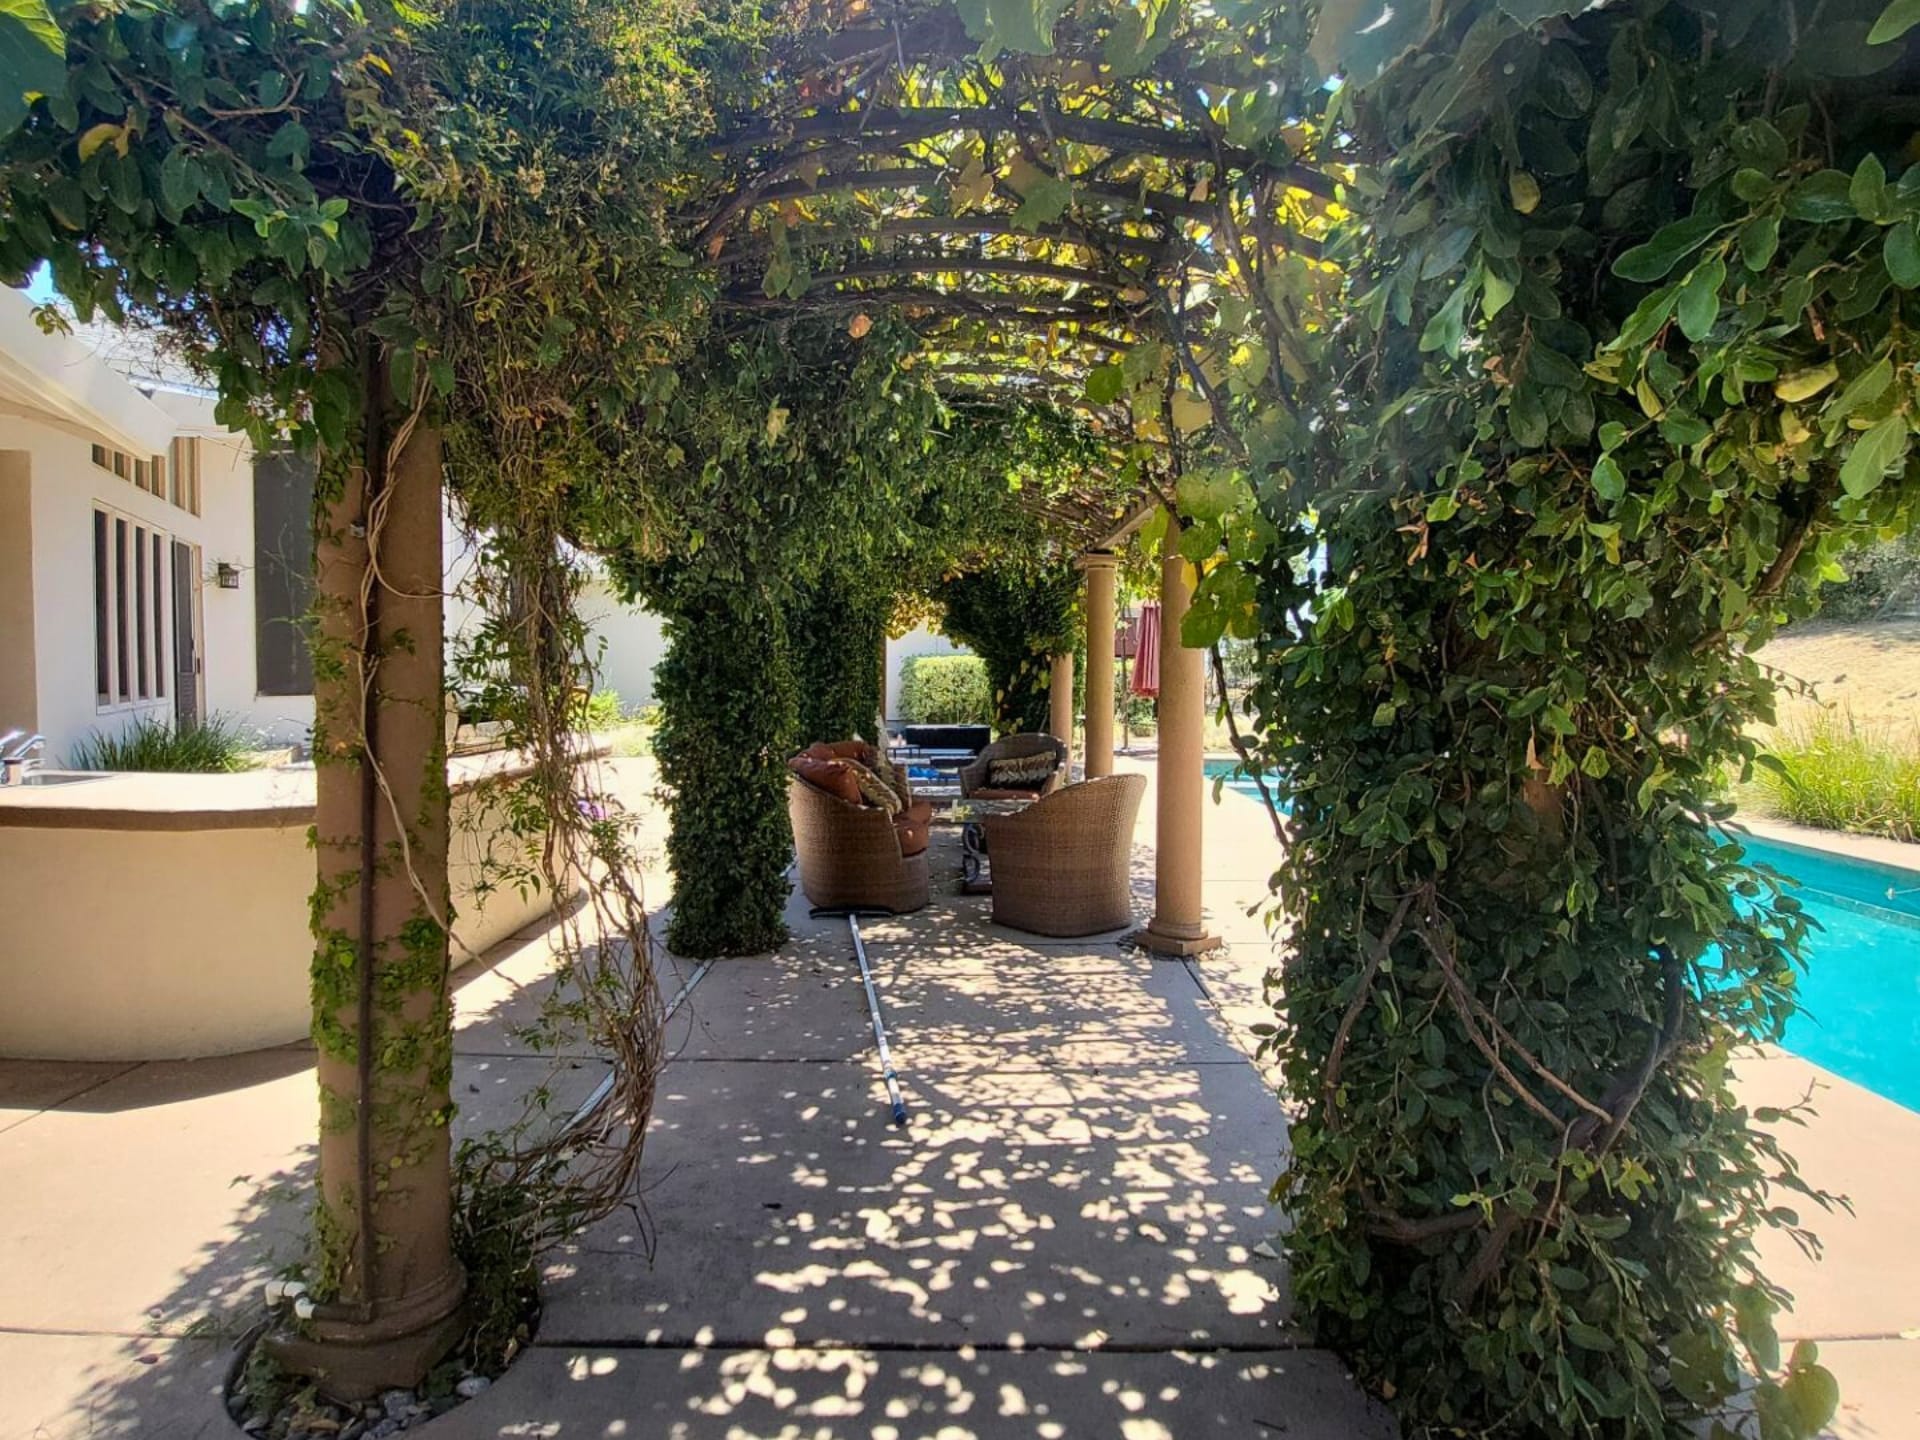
x,y
130,611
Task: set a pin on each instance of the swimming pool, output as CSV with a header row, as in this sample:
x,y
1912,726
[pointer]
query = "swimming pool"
x,y
1229,770
1860,992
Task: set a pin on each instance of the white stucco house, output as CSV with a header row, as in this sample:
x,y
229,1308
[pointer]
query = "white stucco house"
x,y
151,564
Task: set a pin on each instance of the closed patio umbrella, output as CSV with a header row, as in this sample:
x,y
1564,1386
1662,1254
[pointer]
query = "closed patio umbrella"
x,y
1146,662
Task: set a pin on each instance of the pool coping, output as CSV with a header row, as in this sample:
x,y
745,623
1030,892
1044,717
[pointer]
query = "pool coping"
x,y
1875,849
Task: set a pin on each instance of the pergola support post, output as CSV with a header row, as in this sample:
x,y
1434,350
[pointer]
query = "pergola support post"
x,y
1100,567
1178,926
1060,701
389,1287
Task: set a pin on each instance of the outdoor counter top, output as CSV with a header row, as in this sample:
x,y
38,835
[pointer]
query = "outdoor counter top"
x,y
146,800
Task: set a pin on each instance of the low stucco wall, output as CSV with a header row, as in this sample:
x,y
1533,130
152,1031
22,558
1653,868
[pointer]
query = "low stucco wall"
x,y
130,943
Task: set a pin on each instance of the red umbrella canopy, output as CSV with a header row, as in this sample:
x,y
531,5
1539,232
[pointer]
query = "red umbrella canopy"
x,y
1146,665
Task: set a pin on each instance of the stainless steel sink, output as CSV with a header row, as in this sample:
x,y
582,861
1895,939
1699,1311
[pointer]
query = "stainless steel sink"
x,y
61,777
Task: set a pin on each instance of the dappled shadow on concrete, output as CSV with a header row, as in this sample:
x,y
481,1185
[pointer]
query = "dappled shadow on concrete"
x,y
1070,1237
568,1392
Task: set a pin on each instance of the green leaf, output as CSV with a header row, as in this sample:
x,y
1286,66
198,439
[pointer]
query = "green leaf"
x,y
1495,293
1865,388
1902,254
179,179
1823,198
1609,482
33,58
1760,241
1896,20
1442,507
1668,247
1104,384
1044,203
1589,1337
1868,189
1449,323
1875,454
1814,1395
1699,303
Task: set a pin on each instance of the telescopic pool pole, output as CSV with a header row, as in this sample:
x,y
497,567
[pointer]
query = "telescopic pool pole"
x,y
879,1026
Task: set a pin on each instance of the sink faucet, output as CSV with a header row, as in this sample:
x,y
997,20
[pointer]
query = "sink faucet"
x,y
16,762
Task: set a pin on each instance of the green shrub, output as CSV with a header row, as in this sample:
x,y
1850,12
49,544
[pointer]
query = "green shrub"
x,y
218,745
945,690
601,710
1839,775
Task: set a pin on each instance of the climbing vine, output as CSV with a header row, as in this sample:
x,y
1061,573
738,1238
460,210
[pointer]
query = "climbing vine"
x,y
1618,360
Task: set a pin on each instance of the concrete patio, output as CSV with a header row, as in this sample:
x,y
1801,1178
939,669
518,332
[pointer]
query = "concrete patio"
x,y
1070,1238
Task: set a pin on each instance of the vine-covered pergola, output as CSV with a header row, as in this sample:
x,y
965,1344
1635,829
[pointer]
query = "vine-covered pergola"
x,y
1505,371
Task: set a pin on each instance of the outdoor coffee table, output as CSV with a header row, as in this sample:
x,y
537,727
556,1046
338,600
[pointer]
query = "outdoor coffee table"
x,y
975,878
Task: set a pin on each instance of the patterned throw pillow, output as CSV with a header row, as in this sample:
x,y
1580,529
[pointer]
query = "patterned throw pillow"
x,y
873,789
895,777
1020,772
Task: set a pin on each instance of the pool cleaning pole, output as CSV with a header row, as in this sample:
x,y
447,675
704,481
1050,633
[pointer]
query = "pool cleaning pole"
x,y
879,1025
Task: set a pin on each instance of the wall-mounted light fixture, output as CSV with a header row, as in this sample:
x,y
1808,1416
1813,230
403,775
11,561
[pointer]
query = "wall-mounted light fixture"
x,y
226,575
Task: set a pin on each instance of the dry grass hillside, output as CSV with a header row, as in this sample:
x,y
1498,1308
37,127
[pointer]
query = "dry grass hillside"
x,y
1869,671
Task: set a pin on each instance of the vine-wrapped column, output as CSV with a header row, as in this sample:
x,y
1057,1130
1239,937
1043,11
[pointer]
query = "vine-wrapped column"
x,y
727,725
1100,570
388,1285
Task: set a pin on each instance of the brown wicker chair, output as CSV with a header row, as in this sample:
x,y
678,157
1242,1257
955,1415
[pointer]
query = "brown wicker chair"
x,y
973,777
850,855
1062,865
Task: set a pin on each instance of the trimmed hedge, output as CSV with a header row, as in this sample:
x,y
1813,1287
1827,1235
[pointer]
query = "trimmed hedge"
x,y
945,690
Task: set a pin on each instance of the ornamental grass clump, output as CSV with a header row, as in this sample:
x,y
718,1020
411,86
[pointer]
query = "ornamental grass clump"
x,y
1837,774
218,745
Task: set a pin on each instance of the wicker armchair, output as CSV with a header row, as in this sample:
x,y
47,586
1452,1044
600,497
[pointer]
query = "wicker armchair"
x,y
850,855
1062,865
973,777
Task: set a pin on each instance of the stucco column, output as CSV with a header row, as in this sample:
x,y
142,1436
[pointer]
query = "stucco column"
x,y
1100,567
1178,926
387,1286
1060,697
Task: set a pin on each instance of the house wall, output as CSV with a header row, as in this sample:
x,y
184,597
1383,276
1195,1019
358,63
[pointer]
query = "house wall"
x,y
918,641
65,485
19,690
633,642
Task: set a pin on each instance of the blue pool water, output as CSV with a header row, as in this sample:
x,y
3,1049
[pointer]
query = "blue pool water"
x,y
1861,988
1860,992
1230,771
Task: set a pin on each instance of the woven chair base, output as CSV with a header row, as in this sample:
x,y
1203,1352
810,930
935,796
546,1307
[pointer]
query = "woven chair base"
x,y
1063,866
850,856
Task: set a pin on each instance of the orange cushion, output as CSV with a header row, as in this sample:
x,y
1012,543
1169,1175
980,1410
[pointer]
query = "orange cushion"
x,y
912,825
820,750
832,776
